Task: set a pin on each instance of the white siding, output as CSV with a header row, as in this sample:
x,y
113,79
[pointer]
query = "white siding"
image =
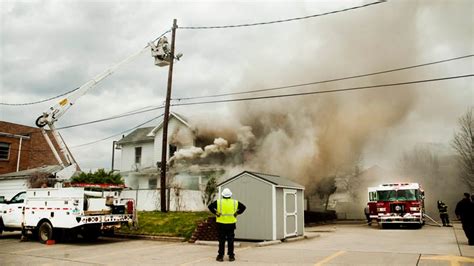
x,y
176,131
149,200
128,156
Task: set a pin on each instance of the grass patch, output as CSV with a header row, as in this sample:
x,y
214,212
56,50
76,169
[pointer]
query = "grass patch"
x,y
181,224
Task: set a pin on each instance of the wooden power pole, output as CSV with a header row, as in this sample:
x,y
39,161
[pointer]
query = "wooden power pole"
x,y
164,146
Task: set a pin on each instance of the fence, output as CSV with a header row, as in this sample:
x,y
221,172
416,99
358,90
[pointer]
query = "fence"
x,y
177,199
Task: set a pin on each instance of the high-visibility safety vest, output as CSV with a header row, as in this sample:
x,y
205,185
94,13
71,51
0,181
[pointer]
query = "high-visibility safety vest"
x,y
227,208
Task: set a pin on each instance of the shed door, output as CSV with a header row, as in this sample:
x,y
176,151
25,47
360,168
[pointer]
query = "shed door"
x,y
290,212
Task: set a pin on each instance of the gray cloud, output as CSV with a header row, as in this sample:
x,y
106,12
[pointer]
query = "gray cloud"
x,y
48,47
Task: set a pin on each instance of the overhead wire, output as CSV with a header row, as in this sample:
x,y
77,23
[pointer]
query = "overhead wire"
x,y
130,113
96,141
327,91
70,91
325,81
118,134
280,20
40,101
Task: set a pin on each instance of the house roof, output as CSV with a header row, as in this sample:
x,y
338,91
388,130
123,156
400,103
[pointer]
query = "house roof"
x,y
273,179
138,135
47,169
178,117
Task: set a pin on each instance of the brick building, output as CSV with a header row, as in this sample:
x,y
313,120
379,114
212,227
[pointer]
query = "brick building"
x,y
23,147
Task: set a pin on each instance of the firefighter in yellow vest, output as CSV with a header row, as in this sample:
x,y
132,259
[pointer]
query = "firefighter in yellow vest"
x,y
226,210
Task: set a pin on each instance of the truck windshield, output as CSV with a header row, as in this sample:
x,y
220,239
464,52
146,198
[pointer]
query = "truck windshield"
x,y
392,195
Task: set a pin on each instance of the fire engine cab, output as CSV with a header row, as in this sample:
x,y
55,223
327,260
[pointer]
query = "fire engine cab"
x,y
397,203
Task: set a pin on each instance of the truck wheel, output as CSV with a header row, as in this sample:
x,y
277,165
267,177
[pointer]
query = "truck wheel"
x,y
45,232
1,226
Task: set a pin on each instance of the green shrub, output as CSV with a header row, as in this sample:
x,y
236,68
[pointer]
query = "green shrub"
x,y
99,177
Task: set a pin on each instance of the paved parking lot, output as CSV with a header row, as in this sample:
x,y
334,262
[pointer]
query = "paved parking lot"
x,y
350,244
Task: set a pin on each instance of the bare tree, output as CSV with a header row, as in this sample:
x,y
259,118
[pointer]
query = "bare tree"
x,y
463,143
420,162
38,180
210,191
325,188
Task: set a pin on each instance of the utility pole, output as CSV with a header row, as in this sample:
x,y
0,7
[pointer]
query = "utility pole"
x,y
164,146
113,154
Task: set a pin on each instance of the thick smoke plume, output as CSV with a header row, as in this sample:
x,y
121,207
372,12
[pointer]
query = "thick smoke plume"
x,y
307,138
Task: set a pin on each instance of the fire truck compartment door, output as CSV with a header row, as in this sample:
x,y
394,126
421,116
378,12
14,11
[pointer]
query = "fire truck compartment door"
x,y
290,212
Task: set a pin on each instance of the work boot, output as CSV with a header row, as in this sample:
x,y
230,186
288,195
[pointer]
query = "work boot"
x,y
220,258
231,257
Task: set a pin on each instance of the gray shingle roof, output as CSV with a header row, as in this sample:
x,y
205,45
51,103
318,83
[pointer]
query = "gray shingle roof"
x,y
49,169
138,135
274,179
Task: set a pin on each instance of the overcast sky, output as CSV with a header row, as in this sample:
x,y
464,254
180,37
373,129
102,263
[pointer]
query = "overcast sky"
x,y
50,47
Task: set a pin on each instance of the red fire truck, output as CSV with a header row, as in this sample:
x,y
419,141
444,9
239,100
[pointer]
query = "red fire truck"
x,y
397,203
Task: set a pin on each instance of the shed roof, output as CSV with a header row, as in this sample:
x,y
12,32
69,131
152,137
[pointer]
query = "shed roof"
x,y
48,169
138,135
273,179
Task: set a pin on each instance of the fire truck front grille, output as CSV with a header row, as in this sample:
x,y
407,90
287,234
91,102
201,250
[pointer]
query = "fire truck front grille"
x,y
397,208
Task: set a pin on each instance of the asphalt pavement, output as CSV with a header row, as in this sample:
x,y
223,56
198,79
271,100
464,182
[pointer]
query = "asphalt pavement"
x,y
339,244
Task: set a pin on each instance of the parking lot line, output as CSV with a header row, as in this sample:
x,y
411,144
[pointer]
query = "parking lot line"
x,y
327,259
454,260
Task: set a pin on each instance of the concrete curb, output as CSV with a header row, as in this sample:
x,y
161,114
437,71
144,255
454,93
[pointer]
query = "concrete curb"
x,y
149,237
293,239
320,230
268,243
213,243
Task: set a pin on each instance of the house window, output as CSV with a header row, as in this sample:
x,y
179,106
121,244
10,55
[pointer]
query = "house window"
x,y
4,150
152,183
173,149
138,154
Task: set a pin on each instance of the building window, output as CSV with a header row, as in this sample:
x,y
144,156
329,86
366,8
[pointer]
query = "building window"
x,y
138,155
172,149
152,183
4,150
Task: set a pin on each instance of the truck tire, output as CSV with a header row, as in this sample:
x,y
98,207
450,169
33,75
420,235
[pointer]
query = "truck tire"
x,y
1,226
45,232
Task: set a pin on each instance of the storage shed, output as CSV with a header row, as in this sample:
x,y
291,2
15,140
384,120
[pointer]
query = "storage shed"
x,y
275,206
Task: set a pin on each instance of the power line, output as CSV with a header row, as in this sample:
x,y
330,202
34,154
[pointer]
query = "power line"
x,y
65,93
95,141
327,91
118,134
112,117
130,113
40,101
281,20
328,80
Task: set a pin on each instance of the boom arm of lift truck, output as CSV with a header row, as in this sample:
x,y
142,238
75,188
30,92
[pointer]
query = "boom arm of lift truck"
x,y
56,111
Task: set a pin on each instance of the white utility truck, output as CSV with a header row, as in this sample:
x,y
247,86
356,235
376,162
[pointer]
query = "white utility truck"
x,y
58,213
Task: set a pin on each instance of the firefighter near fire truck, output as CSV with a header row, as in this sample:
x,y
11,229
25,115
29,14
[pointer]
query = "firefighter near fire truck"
x,y
443,213
397,204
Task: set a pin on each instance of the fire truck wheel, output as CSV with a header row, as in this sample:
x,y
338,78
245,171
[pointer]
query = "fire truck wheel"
x,y
1,226
45,232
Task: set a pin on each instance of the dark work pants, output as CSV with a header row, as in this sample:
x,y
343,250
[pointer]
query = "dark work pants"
x,y
468,228
226,232
444,218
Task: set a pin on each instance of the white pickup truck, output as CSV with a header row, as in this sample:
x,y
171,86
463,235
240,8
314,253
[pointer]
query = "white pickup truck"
x,y
55,213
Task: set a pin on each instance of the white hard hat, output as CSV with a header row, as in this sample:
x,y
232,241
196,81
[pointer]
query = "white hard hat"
x,y
226,193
